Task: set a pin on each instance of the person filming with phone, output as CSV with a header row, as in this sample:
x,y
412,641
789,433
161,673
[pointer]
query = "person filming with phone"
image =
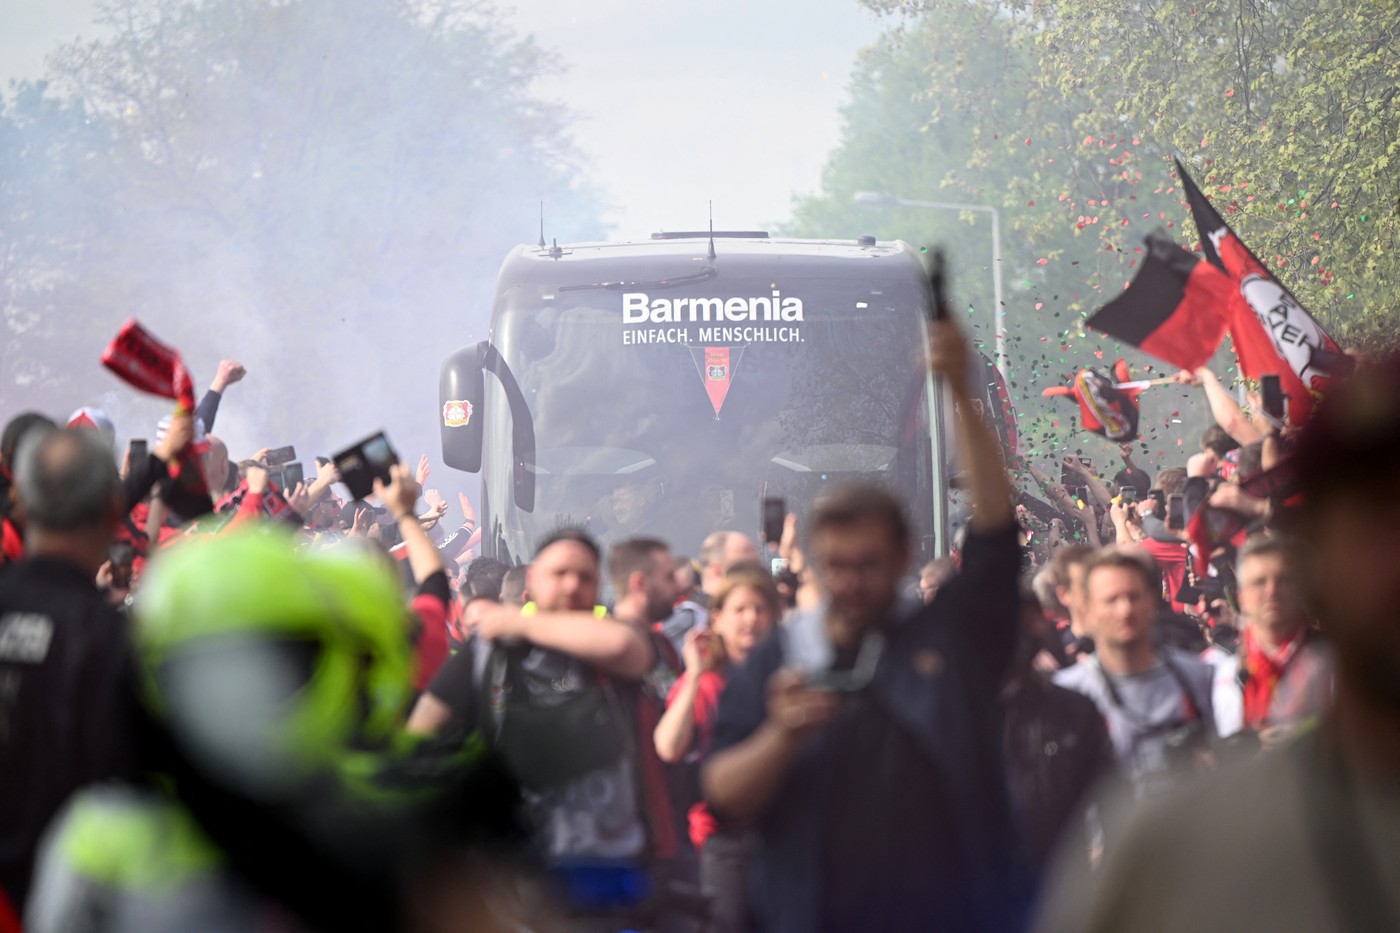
x,y
862,742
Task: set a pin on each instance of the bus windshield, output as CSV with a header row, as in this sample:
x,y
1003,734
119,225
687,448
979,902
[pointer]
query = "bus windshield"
x,y
673,411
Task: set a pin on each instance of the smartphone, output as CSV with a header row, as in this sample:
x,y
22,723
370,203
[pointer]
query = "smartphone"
x,y
280,455
1176,512
274,478
1082,494
1067,476
774,514
292,474
122,554
360,464
138,452
938,285
1275,402
1127,494
859,676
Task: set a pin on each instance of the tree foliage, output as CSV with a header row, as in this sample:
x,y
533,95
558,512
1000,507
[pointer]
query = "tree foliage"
x,y
291,182
1288,113
1064,115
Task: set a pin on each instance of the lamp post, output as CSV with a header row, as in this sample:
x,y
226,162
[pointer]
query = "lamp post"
x,y
875,198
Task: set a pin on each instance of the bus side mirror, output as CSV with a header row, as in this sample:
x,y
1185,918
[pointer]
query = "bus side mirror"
x,y
461,391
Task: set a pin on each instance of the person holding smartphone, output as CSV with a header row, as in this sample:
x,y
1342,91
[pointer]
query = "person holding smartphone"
x,y
863,741
743,611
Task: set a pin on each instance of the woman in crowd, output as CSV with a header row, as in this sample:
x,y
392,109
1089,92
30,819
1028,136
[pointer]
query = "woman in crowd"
x,y
742,613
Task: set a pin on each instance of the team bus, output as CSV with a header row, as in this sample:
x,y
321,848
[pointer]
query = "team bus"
x,y
666,387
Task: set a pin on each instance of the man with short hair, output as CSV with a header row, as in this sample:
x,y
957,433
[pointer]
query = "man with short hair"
x,y
513,592
720,551
563,583
1156,700
556,687
484,576
1284,667
66,693
864,740
1064,582
645,586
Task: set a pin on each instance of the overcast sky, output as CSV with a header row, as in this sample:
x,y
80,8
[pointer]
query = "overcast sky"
x,y
679,101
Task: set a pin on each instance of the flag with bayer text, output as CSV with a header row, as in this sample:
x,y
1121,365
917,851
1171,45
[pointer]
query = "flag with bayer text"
x,y
1176,308
1273,333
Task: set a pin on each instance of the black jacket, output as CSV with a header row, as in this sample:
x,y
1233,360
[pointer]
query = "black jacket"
x,y
67,702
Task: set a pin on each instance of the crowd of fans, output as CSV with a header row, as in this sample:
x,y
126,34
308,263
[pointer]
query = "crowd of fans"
x,y
238,701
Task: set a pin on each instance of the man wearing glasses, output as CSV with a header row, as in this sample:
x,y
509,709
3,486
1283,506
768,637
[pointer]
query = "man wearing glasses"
x,y
863,741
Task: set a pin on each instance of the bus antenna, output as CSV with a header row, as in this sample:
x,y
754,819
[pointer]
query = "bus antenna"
x,y
712,229
542,225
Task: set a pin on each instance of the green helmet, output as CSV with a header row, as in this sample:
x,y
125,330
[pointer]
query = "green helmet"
x,y
267,663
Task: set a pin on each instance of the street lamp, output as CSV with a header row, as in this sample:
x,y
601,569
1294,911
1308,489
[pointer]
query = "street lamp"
x,y
875,198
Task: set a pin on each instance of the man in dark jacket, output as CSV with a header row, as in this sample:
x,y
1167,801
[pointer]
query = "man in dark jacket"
x,y
864,741
65,692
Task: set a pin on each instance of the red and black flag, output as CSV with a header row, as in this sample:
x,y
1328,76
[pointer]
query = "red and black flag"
x,y
137,357
1272,331
1176,308
1104,407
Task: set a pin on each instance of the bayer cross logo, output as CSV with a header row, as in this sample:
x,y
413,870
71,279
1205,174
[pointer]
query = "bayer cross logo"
x,y
718,373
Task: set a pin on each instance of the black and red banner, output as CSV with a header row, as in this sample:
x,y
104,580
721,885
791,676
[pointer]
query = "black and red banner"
x,y
1176,308
137,357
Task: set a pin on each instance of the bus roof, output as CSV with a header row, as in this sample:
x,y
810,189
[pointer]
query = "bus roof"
x,y
656,260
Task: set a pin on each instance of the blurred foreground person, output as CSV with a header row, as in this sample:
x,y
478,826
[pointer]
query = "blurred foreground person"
x,y
65,675
864,740
284,796
1307,837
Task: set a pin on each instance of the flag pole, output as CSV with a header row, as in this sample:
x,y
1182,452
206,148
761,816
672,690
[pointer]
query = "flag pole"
x,y
1144,383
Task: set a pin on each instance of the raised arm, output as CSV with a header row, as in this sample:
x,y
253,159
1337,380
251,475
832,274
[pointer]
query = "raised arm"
x,y
675,731
400,495
1097,488
229,372
611,646
985,469
1224,409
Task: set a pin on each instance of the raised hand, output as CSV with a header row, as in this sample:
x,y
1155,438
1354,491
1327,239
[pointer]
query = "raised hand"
x,y
230,371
